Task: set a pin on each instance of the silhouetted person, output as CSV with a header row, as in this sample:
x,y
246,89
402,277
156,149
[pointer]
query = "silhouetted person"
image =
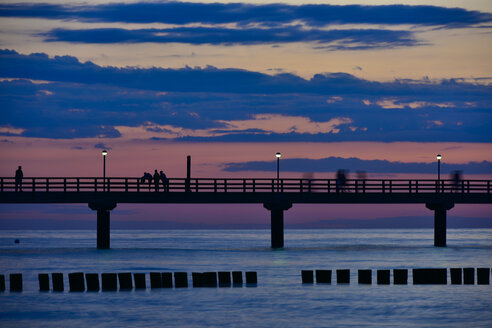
x,y
338,180
146,177
344,180
307,179
18,179
361,175
456,177
157,177
341,180
164,180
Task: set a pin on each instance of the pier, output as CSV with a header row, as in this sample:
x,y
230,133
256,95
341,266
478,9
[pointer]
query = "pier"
x,y
276,195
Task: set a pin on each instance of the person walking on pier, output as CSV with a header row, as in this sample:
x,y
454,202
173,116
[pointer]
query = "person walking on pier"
x,y
164,180
18,179
156,180
341,180
456,177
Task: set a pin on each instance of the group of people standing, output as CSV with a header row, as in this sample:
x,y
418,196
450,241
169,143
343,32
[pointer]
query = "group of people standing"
x,y
156,178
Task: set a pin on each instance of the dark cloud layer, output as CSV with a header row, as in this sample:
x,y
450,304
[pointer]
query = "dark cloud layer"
x,y
87,100
332,164
243,14
349,39
210,79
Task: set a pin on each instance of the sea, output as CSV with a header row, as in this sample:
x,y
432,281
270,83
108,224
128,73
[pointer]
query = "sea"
x,y
279,299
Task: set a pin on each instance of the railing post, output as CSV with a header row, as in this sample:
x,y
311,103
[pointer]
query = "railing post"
x,y
309,185
78,184
416,186
1,184
64,184
254,185
383,185
391,186
95,184
364,186
244,185
126,185
47,184
225,185
356,186
138,185
108,183
488,187
409,186
215,185
468,183
196,185
329,185
282,185
273,185
33,184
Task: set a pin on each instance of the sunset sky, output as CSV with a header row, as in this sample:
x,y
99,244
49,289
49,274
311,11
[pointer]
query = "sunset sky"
x,y
379,86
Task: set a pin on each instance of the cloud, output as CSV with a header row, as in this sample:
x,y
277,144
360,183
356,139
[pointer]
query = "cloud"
x,y
211,79
101,146
287,124
210,104
393,103
266,15
10,131
259,124
332,164
346,38
435,123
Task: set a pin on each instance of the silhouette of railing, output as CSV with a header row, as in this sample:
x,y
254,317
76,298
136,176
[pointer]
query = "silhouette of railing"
x,y
117,184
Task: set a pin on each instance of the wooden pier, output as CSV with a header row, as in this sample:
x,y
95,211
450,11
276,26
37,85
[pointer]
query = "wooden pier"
x,y
276,195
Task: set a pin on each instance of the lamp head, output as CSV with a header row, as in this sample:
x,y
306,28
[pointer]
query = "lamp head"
x,y
439,157
104,152
278,155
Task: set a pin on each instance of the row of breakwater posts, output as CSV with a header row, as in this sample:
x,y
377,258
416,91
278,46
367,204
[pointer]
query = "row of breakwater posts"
x,y
459,276
93,282
124,281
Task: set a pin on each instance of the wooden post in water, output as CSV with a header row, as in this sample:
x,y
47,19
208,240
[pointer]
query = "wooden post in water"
x,y
44,282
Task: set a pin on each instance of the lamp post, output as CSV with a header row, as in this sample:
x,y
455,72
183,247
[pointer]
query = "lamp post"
x,y
438,171
278,155
104,153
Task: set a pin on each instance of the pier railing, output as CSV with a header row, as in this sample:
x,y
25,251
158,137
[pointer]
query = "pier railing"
x,y
118,184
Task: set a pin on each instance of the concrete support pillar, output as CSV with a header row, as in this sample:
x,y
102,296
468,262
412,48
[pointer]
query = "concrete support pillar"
x,y
103,222
439,221
277,221
103,228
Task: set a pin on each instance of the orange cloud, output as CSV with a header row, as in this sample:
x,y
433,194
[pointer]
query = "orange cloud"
x,y
263,123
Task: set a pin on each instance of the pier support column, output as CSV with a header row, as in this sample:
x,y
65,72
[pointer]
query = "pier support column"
x,y
103,222
277,221
439,221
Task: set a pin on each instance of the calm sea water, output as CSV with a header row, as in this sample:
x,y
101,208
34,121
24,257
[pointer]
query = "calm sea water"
x,y
279,300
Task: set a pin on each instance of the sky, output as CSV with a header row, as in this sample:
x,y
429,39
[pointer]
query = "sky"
x,y
374,86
